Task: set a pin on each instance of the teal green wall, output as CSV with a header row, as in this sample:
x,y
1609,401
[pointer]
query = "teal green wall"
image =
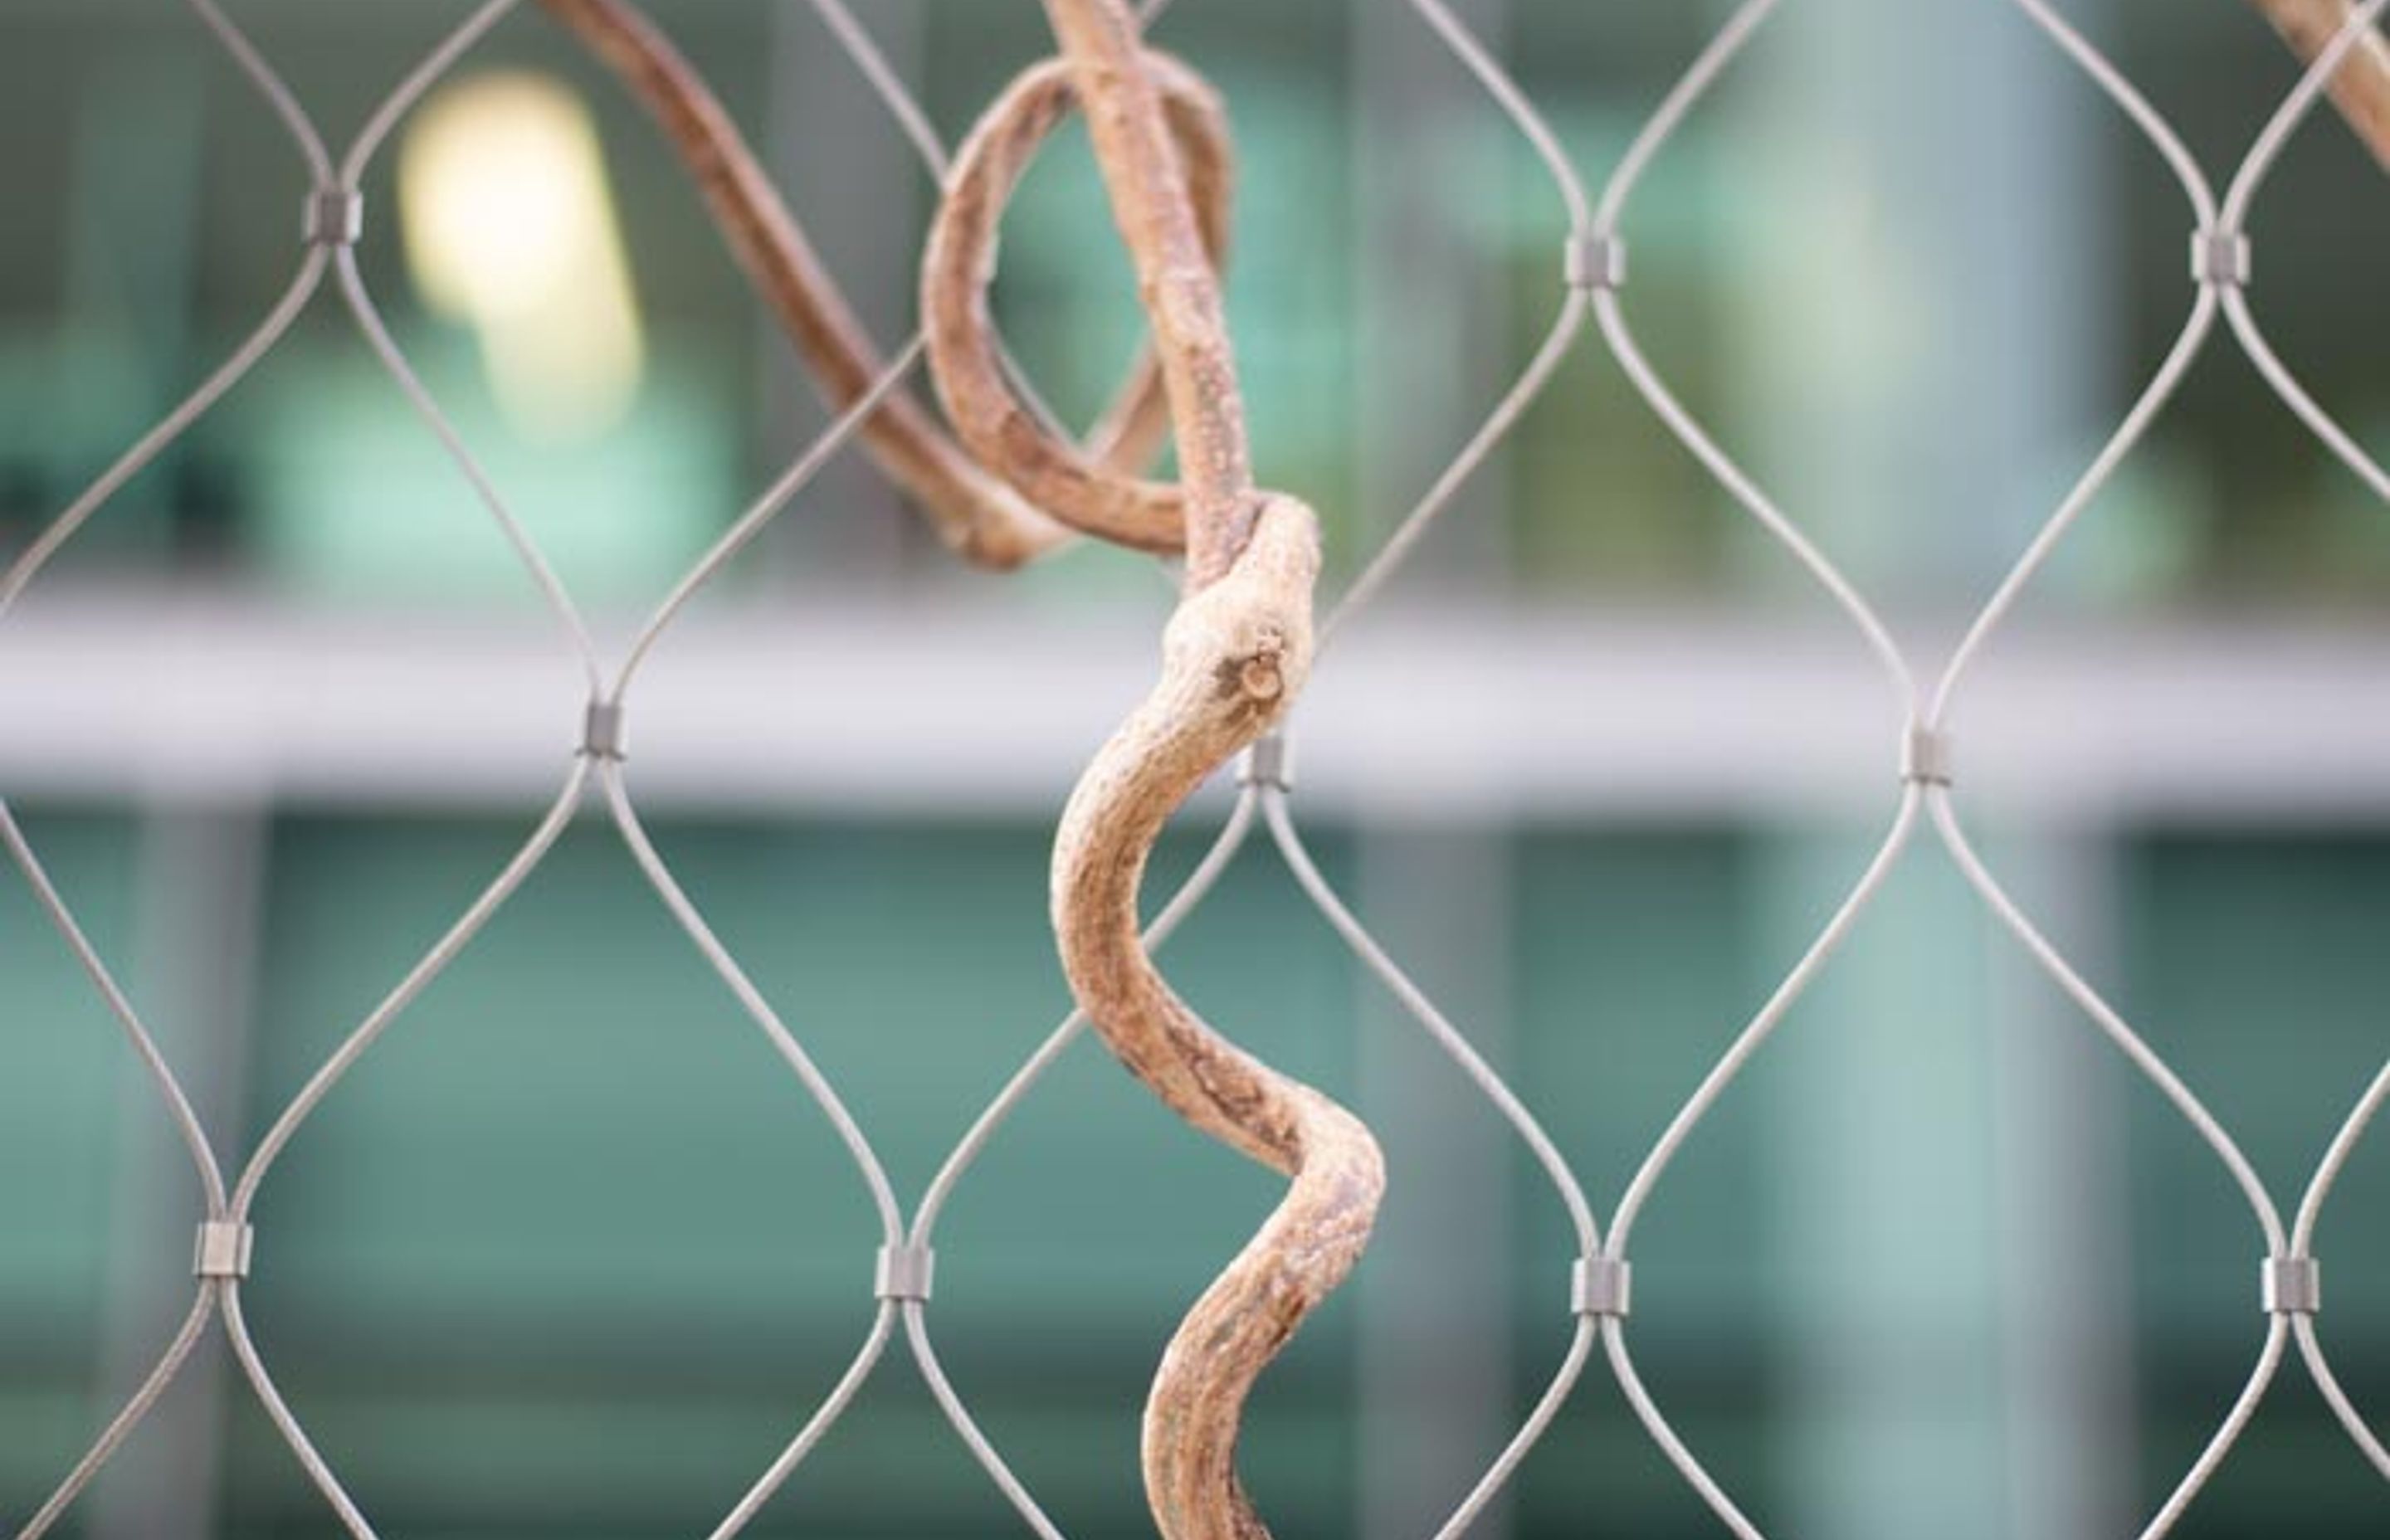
x,y
572,1253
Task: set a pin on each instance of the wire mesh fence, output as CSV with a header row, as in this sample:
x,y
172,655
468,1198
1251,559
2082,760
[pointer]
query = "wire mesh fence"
x,y
1595,1286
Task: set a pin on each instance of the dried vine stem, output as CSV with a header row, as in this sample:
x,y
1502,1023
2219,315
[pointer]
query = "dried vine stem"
x,y
2360,87
969,369
977,514
1234,656
1150,203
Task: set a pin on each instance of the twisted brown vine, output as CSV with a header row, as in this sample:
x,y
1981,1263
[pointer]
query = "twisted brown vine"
x,y
964,362
2360,87
1038,485
980,515
1234,656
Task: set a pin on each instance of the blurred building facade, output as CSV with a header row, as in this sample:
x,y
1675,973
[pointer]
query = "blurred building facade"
x,y
570,1255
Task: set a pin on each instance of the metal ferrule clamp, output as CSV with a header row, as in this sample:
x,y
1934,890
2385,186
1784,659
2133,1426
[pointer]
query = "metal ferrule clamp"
x,y
333,216
1925,757
602,731
1269,762
904,1273
2291,1285
2220,259
1591,260
1601,1286
222,1249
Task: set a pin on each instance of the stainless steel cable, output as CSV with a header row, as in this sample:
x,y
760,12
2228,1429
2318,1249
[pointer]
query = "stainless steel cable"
x,y
833,1406
1926,732
433,963
913,120
1181,905
751,999
872,61
1567,327
743,531
2234,221
177,423
271,86
551,588
1464,1057
1705,1099
286,1422
120,1005
120,1428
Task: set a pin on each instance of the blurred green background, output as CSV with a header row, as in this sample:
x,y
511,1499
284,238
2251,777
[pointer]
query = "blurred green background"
x,y
571,1253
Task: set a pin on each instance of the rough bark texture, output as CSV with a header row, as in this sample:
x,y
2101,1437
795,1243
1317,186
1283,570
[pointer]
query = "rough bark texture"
x,y
2360,87
965,362
976,513
1234,656
1182,295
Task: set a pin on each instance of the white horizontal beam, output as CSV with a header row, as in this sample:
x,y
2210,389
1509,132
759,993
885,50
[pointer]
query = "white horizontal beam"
x,y
1444,715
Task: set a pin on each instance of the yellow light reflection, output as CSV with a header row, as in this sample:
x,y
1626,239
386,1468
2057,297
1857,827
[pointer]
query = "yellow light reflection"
x,y
510,229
